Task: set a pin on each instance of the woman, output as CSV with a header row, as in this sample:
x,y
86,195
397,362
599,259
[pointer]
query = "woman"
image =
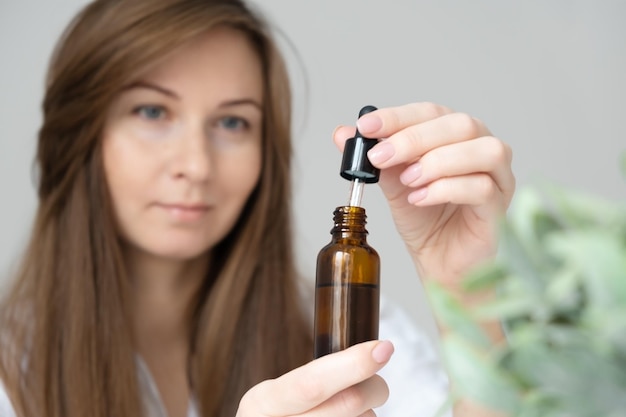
x,y
159,278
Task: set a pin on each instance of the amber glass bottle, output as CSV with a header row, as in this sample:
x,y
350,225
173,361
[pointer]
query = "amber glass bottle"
x,y
347,284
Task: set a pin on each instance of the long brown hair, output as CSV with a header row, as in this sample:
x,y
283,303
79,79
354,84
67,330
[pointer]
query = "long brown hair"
x,y
65,340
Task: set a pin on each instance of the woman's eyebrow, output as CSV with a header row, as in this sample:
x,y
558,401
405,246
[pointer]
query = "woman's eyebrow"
x,y
242,101
151,86
170,93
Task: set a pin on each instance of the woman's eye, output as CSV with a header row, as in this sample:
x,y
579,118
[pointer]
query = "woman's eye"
x,y
233,123
150,112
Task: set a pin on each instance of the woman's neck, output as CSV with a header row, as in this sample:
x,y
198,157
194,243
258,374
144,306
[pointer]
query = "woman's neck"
x,y
163,293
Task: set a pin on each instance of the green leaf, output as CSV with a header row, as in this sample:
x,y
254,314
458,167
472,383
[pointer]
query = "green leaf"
x,y
506,308
476,376
579,209
564,289
452,315
484,277
539,404
567,374
521,259
600,256
524,334
608,327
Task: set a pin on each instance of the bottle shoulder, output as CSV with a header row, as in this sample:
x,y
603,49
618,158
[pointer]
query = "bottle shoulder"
x,y
349,245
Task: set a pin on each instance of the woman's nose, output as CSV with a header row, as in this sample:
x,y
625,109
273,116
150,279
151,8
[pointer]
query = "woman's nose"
x,y
193,159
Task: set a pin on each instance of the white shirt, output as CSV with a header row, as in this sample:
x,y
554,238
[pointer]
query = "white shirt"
x,y
417,383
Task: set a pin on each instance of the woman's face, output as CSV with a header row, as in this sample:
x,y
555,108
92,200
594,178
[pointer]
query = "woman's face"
x,y
182,146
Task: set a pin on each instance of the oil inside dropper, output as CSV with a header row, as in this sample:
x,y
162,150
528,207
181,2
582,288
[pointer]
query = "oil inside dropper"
x,y
356,192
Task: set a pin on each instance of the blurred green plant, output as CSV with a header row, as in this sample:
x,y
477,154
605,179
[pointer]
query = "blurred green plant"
x,y
560,280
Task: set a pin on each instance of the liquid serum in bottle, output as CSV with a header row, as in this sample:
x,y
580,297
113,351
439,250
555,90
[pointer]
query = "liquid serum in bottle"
x,y
347,286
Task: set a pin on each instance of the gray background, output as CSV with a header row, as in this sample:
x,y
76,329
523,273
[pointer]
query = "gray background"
x,y
546,76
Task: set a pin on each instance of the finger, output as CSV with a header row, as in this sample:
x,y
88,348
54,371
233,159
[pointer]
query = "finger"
x,y
308,386
409,144
341,134
385,122
355,400
479,190
486,154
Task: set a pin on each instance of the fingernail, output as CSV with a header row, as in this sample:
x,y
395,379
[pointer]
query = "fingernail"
x,y
411,174
382,351
381,152
417,196
369,123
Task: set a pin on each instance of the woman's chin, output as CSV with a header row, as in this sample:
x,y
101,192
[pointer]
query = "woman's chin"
x,y
180,253
168,251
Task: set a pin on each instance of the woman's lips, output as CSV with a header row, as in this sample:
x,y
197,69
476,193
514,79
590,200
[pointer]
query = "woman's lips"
x,y
185,212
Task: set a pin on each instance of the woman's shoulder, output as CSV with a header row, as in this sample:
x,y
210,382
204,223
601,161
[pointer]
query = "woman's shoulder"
x,y
6,408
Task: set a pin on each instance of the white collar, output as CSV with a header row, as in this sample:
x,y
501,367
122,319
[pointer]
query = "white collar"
x,y
153,404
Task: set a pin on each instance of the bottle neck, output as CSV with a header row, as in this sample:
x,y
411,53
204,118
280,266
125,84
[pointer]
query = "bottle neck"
x,y
349,223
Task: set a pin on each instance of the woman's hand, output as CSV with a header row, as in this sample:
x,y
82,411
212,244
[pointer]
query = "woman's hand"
x,y
342,384
447,180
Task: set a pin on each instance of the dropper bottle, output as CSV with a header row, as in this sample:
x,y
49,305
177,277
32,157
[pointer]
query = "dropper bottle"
x,y
347,283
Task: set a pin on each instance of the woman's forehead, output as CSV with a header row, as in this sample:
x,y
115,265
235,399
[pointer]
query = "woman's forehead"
x,y
220,59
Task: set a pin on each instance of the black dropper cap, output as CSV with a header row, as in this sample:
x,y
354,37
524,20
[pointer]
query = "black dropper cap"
x,y
355,164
